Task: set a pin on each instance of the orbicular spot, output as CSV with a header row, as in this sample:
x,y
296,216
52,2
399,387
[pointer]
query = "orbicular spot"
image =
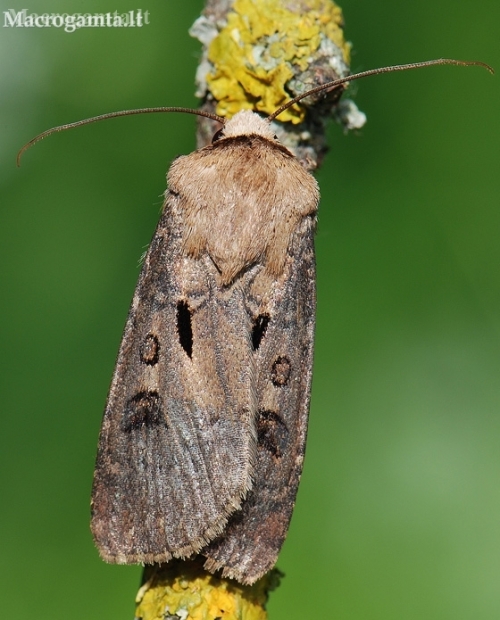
x,y
259,329
184,327
272,434
150,350
280,373
143,411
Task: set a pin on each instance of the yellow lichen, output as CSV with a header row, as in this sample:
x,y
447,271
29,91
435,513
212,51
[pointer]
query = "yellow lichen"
x,y
254,53
187,591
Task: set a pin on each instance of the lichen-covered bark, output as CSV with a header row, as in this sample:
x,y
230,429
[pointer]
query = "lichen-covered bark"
x,y
183,590
258,54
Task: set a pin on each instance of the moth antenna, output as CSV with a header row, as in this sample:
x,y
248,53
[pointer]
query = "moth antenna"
x,y
363,74
103,117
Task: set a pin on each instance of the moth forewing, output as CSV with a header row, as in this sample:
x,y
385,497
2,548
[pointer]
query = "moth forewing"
x,y
251,541
211,390
176,455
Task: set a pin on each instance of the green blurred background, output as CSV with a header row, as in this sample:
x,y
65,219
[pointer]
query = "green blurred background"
x,y
398,514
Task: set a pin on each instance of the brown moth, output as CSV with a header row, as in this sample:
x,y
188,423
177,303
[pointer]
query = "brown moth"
x,y
203,436
209,401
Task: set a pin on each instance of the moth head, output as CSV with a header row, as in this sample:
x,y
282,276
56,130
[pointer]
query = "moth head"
x,y
245,123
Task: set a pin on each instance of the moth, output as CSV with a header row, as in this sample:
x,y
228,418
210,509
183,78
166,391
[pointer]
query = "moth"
x,y
202,442
203,436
